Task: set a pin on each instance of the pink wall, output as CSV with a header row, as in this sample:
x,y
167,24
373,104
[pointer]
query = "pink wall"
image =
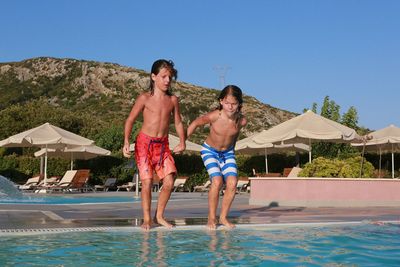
x,y
324,192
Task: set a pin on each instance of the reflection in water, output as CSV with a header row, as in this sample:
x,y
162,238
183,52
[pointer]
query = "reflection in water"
x,y
160,259
152,251
219,246
144,250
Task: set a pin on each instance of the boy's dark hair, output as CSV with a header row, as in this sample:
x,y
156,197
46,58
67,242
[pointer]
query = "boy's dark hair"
x,y
235,92
155,69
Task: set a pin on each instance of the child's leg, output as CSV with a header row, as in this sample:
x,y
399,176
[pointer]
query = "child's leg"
x,y
168,183
230,192
213,197
146,203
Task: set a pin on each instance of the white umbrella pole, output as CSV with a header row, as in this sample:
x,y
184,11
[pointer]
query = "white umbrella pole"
x,y
392,163
309,152
72,161
41,165
45,168
266,161
137,184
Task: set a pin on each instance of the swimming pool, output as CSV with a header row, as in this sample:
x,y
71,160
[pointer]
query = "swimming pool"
x,y
329,245
64,199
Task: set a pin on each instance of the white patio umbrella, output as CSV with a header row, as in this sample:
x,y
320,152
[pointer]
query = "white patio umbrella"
x,y
386,140
306,128
45,136
74,152
248,146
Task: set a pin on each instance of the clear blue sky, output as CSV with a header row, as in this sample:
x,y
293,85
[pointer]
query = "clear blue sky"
x,y
288,54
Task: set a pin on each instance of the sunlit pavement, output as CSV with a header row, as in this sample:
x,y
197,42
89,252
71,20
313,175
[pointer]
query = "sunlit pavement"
x,y
182,209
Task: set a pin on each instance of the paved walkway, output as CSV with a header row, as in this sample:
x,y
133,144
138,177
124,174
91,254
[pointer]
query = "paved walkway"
x,y
182,209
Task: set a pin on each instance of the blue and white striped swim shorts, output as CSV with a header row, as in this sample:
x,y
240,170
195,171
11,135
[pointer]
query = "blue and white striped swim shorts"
x,y
219,163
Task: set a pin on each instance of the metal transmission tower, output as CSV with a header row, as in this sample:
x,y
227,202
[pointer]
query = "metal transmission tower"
x,y
222,70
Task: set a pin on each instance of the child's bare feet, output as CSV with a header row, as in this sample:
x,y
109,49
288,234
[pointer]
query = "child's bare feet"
x,y
226,223
146,225
163,222
212,224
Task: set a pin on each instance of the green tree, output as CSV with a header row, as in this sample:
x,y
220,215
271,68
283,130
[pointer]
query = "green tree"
x,y
331,110
112,137
350,118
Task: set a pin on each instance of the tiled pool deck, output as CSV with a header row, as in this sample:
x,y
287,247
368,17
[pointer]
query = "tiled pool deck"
x,y
182,209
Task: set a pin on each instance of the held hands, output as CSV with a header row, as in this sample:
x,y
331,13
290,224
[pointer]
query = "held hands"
x,y
179,148
125,150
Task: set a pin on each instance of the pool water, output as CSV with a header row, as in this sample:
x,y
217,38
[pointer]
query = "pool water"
x,y
60,200
337,245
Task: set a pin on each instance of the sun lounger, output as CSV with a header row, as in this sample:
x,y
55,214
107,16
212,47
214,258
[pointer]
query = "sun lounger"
x,y
202,188
73,180
109,183
128,186
64,182
294,172
52,181
31,183
286,172
242,185
80,181
179,183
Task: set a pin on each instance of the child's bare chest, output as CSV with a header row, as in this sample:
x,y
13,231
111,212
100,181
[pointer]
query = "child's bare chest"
x,y
226,128
159,107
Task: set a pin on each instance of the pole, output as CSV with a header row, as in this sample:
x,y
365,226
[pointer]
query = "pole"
x,y
392,163
380,161
45,168
136,175
362,160
266,161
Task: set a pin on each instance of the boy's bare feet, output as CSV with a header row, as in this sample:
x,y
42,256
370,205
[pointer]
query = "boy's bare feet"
x,y
163,222
226,223
212,224
146,225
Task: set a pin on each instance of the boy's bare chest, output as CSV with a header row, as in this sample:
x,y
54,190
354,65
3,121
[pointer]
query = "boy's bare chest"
x,y
159,107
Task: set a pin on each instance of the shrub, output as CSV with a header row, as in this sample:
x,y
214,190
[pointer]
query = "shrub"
x,y
198,178
347,168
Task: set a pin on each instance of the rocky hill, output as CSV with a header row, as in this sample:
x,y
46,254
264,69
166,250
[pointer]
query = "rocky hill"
x,y
108,90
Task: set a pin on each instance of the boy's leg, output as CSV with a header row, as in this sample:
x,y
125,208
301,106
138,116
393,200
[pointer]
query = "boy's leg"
x,y
229,196
164,195
146,203
213,197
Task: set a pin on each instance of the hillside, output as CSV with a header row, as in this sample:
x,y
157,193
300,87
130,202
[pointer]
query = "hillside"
x,y
106,91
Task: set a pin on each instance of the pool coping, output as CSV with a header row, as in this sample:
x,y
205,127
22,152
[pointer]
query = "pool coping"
x,y
276,226
184,209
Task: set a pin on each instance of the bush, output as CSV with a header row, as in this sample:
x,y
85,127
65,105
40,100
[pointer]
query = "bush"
x,y
347,168
196,179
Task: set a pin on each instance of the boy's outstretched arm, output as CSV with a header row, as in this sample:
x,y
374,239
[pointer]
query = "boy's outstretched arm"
x,y
180,130
202,120
135,111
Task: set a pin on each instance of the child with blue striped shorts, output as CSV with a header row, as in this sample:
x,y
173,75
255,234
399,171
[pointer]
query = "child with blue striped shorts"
x,y
218,151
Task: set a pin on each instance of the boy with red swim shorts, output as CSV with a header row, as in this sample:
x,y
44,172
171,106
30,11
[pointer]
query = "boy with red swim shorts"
x,y
152,151
153,154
